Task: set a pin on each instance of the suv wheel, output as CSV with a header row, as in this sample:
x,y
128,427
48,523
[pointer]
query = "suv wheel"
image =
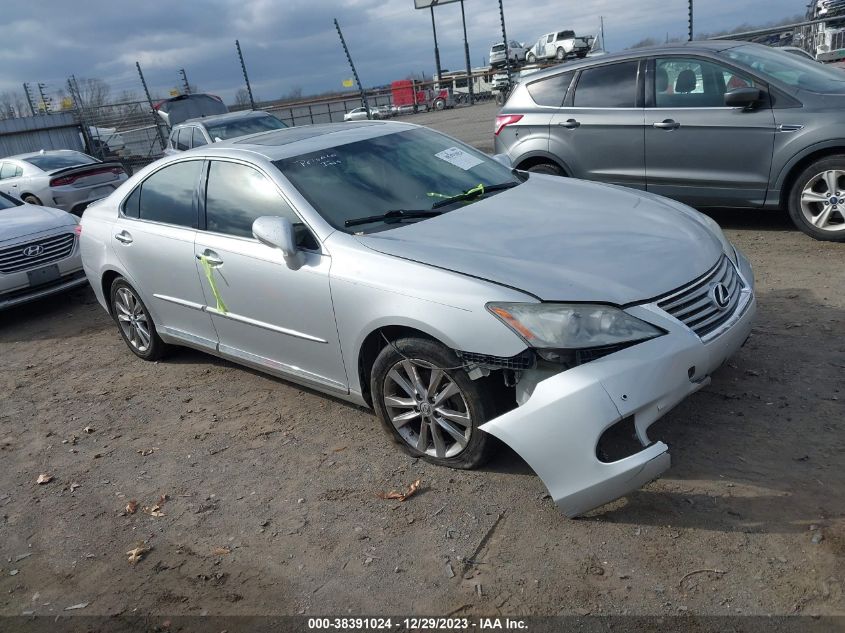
x,y
817,199
430,406
134,322
546,168
560,54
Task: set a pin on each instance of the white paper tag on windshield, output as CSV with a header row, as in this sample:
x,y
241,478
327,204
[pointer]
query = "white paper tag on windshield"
x,y
459,158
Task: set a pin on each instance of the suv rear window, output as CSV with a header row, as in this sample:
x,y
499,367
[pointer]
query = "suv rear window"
x,y
498,48
610,86
552,90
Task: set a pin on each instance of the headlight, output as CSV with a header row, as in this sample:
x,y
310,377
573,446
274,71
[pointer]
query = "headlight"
x,y
572,326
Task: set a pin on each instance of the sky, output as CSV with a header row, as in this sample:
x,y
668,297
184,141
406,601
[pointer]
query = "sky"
x,y
290,44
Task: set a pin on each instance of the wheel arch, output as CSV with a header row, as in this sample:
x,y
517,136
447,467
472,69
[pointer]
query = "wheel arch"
x,y
106,282
538,158
791,171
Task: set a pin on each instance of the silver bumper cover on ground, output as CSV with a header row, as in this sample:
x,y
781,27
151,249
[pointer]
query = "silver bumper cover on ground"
x,y
558,428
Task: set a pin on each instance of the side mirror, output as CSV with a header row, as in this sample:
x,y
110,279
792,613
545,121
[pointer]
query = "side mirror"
x,y
277,232
743,97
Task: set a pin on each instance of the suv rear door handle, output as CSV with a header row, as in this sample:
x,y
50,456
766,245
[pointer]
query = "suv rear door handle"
x,y
123,237
667,124
570,124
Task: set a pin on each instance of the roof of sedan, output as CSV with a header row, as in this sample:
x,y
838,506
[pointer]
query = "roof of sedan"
x,y
222,118
711,46
41,153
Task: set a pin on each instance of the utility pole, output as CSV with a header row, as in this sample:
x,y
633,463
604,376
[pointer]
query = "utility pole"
x,y
436,49
603,45
505,38
354,72
29,98
466,53
159,133
246,77
690,21
185,84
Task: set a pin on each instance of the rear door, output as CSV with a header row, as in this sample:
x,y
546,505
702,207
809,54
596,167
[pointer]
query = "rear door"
x,y
698,150
268,315
599,131
154,240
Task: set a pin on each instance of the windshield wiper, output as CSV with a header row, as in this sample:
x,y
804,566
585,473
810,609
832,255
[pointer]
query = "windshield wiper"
x,y
394,214
475,192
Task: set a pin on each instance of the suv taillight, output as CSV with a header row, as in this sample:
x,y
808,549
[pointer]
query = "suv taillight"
x,y
504,120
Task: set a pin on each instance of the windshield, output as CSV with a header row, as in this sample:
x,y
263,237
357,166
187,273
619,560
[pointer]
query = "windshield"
x,y
793,70
243,127
52,162
8,202
412,170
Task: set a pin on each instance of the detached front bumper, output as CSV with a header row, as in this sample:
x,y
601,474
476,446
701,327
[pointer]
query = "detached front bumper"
x,y
558,428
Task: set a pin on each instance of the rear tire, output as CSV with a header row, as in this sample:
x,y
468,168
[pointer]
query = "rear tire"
x,y
560,54
530,58
30,199
134,322
817,199
546,168
430,412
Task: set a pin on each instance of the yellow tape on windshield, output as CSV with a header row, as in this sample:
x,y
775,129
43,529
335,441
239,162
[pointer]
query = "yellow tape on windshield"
x,y
479,189
209,274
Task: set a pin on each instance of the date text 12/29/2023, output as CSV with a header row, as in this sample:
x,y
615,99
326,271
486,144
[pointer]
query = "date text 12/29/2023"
x,y
416,624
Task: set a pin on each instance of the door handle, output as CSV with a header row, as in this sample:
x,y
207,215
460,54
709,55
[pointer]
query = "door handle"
x,y
123,237
211,257
668,124
570,124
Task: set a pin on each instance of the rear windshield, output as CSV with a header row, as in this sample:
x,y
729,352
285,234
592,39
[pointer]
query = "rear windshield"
x,y
52,162
566,35
243,127
8,202
498,48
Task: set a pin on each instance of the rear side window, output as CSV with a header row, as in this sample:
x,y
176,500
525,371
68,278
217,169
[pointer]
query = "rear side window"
x,y
551,91
566,35
168,195
7,170
197,139
236,195
183,138
611,86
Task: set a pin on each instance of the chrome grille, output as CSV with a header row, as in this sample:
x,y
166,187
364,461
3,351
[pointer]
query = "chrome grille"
x,y
694,305
53,248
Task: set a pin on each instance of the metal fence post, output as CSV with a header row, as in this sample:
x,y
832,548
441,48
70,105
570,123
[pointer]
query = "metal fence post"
x,y
159,133
354,72
246,77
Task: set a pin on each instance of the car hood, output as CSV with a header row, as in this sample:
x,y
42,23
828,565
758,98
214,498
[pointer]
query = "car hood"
x,y
564,240
29,218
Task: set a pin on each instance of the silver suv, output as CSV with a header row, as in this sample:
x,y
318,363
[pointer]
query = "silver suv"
x,y
39,255
222,127
712,124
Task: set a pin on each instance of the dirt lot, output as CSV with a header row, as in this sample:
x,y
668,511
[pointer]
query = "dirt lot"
x,y
270,489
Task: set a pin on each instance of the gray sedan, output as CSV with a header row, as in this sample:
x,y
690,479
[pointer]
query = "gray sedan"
x,y
397,268
712,124
62,178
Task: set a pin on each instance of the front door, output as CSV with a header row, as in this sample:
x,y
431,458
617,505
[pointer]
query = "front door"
x,y
267,314
154,240
698,150
598,132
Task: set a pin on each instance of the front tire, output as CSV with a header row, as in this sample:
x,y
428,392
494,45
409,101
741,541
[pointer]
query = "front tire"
x,y
817,199
134,322
429,405
530,58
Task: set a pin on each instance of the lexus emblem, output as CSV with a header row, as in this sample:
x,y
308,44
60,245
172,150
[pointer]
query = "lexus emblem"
x,y
721,296
34,250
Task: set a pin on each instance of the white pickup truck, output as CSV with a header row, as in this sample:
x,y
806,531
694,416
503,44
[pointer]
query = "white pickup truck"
x,y
559,45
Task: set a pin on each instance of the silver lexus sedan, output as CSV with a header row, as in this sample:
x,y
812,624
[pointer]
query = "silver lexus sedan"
x,y
397,268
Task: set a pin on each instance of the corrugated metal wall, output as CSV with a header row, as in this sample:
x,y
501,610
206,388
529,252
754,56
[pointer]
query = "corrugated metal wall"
x,y
30,134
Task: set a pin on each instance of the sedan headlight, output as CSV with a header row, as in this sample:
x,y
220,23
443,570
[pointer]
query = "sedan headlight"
x,y
572,326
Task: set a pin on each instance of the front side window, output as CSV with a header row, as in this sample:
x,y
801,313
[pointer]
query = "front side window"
x,y
610,86
792,70
414,170
7,170
237,195
167,196
551,91
694,83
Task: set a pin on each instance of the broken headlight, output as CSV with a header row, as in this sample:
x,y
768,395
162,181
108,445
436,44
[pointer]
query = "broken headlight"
x,y
552,327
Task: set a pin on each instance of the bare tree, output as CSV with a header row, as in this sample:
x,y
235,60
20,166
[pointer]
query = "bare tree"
x,y
645,42
13,105
242,98
93,92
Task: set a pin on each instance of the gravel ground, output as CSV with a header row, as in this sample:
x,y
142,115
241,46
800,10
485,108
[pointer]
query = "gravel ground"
x,y
266,492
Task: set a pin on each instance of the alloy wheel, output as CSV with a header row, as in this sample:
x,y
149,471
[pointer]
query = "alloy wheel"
x,y
823,200
132,319
427,408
